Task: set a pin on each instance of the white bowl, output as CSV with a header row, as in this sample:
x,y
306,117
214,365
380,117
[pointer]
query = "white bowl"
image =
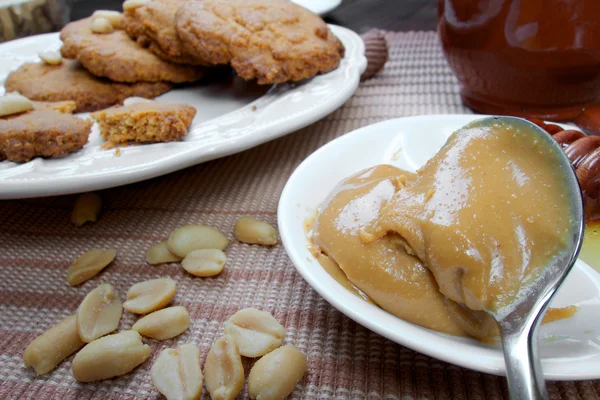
x,y
570,349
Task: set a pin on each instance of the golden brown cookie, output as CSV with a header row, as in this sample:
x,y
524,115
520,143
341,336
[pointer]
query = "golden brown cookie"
x,y
153,26
146,122
271,40
63,107
118,57
70,81
44,131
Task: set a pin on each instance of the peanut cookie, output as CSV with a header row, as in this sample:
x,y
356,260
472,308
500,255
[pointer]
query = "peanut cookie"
x,y
49,130
153,26
70,81
271,40
147,122
117,57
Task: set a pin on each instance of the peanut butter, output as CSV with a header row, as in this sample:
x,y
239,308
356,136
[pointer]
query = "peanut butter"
x,y
444,247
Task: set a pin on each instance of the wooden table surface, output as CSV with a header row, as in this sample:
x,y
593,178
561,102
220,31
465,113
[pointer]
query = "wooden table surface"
x,y
358,15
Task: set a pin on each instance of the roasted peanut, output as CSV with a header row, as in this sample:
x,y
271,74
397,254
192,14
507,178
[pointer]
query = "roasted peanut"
x,y
99,313
275,376
205,262
159,253
101,25
51,57
110,356
164,324
250,230
87,208
51,347
223,370
88,265
176,373
148,296
14,103
114,17
132,4
135,100
255,332
188,238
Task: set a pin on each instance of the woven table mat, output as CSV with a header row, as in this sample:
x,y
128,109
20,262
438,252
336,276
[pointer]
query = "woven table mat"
x,y
345,360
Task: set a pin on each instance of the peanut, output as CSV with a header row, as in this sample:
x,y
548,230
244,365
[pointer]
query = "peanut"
x,y
135,100
148,296
114,17
101,25
110,356
176,373
14,103
51,347
223,370
87,208
133,4
99,313
159,253
188,238
163,324
51,57
250,230
88,265
255,332
205,262
275,376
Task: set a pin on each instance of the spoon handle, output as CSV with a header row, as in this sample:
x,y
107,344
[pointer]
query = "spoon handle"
x,y
523,368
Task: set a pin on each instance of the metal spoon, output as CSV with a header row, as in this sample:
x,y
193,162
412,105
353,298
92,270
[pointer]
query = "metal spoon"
x,y
518,328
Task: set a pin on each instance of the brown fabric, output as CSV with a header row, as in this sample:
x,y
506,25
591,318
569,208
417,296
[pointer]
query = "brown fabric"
x,y
345,360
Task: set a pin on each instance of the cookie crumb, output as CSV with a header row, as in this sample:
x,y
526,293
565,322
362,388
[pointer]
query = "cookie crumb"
x,y
253,108
118,152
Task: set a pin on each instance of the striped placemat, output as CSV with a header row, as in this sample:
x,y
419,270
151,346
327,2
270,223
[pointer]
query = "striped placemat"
x,y
345,360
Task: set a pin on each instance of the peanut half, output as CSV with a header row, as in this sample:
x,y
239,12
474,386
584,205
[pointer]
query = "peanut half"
x,y
250,230
14,103
205,262
114,17
51,57
159,253
88,265
51,347
110,356
163,324
275,376
255,332
176,373
101,25
133,4
87,208
148,296
136,99
223,370
99,313
186,239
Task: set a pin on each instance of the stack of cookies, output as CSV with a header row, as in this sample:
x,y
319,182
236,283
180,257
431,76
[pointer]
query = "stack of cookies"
x,y
272,41
155,44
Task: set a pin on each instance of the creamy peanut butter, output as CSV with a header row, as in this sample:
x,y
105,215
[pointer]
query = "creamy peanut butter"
x,y
383,270
442,248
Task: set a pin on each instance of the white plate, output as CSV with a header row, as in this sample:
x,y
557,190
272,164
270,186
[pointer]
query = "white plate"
x,y
320,7
232,117
570,349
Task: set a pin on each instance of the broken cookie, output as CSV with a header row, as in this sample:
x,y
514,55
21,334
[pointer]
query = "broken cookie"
x,y
146,122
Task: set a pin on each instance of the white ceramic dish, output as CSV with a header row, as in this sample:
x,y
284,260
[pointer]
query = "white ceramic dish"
x,y
320,7
231,117
570,349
